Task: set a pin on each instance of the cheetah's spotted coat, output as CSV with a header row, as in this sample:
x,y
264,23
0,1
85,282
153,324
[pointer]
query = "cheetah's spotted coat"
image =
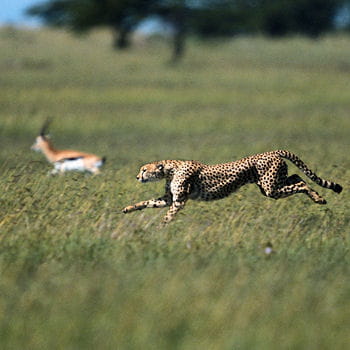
x,y
194,180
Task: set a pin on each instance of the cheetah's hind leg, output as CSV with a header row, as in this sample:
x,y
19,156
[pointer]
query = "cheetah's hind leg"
x,y
295,184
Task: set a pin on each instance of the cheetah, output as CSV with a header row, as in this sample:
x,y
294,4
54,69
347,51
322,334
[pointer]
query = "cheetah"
x,y
195,180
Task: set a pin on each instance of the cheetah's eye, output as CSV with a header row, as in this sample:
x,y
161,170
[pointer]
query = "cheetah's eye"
x,y
160,167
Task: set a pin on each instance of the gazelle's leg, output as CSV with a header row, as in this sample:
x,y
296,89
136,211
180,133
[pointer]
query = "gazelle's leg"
x,y
57,169
95,171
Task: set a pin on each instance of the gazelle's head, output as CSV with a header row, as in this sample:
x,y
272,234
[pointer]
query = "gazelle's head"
x,y
40,143
42,140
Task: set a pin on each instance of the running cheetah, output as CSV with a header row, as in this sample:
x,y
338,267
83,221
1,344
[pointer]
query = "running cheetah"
x,y
194,180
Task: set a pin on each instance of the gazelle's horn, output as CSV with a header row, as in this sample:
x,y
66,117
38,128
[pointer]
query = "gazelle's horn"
x,y
45,127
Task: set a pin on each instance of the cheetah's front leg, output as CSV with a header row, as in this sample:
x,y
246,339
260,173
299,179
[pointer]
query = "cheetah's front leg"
x,y
180,191
174,208
152,203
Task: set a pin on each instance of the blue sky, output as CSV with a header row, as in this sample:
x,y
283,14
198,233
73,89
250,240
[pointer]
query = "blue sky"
x,y
12,12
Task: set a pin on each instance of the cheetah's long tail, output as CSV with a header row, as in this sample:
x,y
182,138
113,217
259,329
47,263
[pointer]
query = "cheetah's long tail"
x,y
302,166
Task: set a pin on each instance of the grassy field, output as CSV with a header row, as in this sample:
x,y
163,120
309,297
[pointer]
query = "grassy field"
x,y
76,273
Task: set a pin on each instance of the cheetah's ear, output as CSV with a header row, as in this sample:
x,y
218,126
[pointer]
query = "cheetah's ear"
x,y
160,166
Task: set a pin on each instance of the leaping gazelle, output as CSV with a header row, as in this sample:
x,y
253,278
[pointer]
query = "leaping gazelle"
x,y
66,160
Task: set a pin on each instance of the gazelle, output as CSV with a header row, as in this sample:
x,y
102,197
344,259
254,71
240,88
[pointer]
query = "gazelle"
x,y
66,160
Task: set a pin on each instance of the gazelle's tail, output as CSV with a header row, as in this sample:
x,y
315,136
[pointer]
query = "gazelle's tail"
x,y
309,173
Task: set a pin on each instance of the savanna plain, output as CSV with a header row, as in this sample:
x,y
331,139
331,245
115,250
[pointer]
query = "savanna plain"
x,y
76,273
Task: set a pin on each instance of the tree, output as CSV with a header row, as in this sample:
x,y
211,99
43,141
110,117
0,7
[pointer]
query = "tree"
x,y
177,14
218,18
81,15
282,17
206,18
121,15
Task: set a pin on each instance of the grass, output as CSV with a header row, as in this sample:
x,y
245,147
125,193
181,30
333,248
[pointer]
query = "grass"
x,y
77,273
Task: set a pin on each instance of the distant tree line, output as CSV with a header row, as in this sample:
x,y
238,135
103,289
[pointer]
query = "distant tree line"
x,y
205,18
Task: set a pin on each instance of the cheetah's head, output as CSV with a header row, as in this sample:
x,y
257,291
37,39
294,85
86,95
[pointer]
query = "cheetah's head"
x,y
151,172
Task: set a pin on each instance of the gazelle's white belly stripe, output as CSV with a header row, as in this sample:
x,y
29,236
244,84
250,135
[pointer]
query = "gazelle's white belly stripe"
x,y
70,164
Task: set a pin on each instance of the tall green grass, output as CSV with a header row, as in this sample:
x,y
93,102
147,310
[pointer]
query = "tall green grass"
x,y
77,273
